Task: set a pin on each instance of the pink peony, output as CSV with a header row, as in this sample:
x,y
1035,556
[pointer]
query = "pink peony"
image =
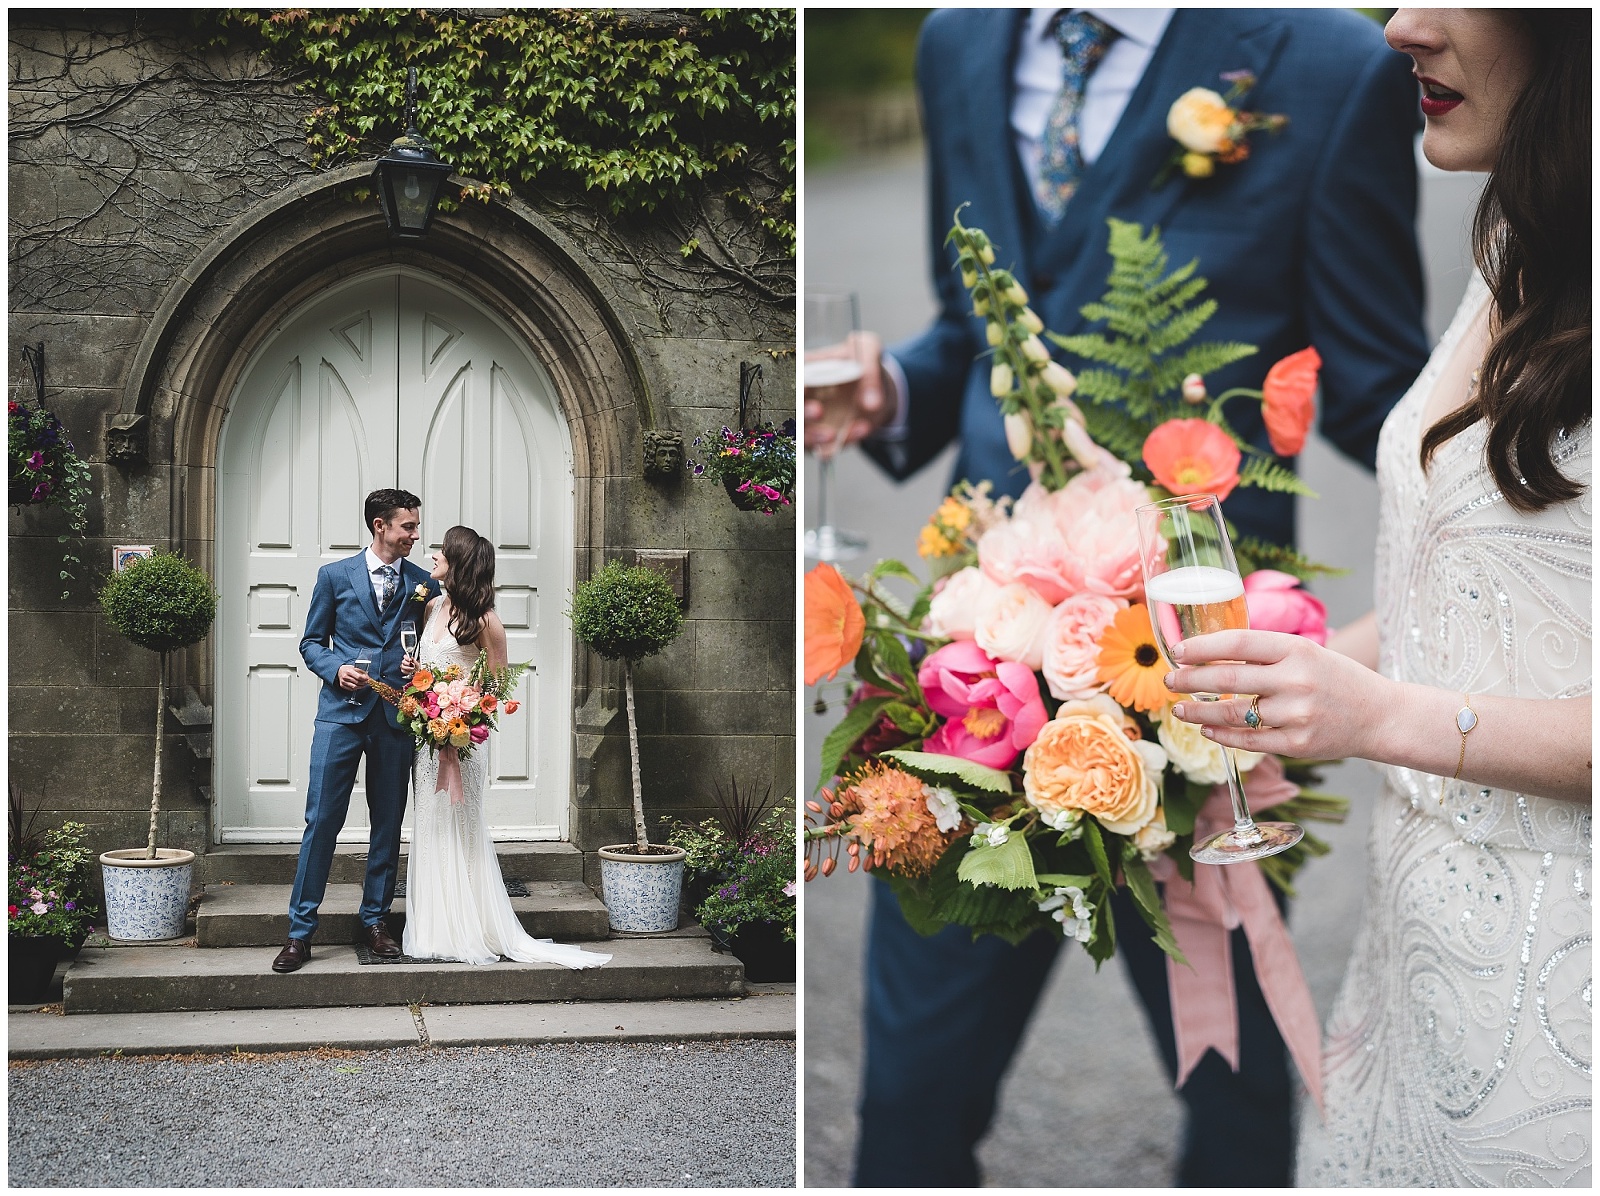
x,y
1072,645
1277,602
953,612
1094,515
993,707
479,733
1031,551
1012,625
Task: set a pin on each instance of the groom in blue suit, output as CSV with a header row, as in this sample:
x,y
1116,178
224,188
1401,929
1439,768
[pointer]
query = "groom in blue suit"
x,y
1047,122
356,611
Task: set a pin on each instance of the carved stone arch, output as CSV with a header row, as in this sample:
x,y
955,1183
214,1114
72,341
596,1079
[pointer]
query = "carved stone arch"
x,y
287,250
309,236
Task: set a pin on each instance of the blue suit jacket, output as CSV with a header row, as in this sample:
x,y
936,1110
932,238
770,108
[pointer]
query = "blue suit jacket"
x,y
343,621
1309,241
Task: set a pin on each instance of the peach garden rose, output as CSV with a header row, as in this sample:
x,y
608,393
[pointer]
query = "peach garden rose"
x,y
1012,625
1084,760
953,610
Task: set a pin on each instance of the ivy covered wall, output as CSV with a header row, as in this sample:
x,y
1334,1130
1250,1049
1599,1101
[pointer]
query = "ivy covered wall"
x,y
659,144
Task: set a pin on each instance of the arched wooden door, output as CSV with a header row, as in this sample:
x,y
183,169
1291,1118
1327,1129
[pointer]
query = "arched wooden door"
x,y
392,379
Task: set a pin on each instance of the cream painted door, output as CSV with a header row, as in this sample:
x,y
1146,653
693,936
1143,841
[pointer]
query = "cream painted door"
x,y
390,380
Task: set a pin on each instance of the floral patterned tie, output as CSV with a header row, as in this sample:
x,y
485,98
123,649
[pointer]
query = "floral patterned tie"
x,y
1084,40
390,583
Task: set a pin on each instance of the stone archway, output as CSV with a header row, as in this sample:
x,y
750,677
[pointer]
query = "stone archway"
x,y
309,239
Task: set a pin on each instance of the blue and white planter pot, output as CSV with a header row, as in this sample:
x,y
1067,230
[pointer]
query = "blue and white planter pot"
x,y
146,899
641,891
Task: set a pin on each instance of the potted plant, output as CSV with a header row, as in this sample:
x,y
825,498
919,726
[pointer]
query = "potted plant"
x,y
752,912
754,465
162,603
712,846
48,911
627,613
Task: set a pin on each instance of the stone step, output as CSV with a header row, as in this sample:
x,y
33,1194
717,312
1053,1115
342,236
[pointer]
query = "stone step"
x,y
254,915
274,863
161,979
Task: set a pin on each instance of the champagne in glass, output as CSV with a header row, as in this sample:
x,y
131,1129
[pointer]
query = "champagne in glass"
x,y
363,663
831,373
1192,587
408,638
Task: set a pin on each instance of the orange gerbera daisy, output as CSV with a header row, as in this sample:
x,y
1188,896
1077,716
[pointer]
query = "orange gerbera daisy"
x,y
1193,456
1286,403
1131,663
834,623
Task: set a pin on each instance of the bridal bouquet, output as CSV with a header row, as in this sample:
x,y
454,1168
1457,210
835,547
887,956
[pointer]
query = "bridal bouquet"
x,y
1009,756
452,709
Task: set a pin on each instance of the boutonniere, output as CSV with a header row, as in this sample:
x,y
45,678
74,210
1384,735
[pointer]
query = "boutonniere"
x,y
1209,129
420,594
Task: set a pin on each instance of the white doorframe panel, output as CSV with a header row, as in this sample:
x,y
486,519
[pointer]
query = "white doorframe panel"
x,y
390,378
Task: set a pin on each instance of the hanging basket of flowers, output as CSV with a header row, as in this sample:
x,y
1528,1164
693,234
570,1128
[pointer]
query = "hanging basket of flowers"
x,y
754,465
43,467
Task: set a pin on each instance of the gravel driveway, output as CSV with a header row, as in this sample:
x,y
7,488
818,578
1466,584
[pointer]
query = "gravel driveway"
x,y
699,1114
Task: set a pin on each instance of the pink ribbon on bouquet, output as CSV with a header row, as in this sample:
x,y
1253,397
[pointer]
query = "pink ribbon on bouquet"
x,y
450,774
1205,1010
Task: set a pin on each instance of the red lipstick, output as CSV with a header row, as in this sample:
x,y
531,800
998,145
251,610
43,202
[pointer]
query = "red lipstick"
x,y
1437,99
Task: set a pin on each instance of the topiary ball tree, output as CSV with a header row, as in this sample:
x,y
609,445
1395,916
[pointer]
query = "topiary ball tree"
x,y
162,603
627,612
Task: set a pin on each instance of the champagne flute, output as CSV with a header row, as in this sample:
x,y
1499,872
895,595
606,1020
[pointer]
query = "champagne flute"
x,y
363,663
1192,587
408,639
831,373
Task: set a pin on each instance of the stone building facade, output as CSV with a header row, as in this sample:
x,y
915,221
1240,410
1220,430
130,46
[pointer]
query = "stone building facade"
x,y
169,240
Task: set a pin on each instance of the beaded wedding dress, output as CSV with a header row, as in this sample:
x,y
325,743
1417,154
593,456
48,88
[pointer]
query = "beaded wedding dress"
x,y
1459,1050
456,902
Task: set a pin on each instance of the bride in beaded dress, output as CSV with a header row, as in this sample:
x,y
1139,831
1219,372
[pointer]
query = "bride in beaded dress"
x,y
456,902
1459,1052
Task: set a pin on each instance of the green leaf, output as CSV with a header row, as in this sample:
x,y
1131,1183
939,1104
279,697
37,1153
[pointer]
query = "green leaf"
x,y
1264,473
929,765
1009,866
1103,943
1093,840
844,735
1062,880
1142,886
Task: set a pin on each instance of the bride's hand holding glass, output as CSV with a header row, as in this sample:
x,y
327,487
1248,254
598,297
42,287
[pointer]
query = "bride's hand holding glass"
x,y
837,417
1312,702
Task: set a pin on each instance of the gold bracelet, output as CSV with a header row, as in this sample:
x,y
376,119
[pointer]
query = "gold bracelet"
x,y
1466,723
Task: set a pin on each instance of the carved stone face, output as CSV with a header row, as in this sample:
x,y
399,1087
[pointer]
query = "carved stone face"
x,y
663,454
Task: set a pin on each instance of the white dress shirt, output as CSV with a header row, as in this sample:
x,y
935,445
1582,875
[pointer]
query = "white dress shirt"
x,y
1035,84
374,563
1037,80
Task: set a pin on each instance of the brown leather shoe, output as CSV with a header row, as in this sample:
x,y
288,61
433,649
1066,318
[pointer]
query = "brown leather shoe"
x,y
378,941
294,954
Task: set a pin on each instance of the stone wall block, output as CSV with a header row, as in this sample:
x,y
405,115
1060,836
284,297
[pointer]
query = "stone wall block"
x,y
732,654
47,648
749,584
111,772
680,771
49,709
81,352
51,196
728,712
119,663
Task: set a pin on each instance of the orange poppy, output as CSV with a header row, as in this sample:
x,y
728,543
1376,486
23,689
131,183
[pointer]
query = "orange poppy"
x,y
1286,401
422,679
1193,456
511,707
488,702
834,623
1131,664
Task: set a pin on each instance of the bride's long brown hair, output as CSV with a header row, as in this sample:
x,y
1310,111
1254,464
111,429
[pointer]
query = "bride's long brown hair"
x,y
1530,239
471,581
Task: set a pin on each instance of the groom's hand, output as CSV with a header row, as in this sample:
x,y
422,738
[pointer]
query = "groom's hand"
x,y
351,678
839,416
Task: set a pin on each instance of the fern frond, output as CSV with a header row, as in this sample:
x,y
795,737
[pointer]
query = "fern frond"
x,y
1116,430
1264,473
1253,554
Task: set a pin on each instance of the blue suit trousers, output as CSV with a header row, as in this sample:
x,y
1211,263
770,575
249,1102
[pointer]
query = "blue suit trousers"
x,y
336,752
945,1015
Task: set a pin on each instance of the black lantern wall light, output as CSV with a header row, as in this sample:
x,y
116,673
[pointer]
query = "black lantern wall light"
x,y
410,175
